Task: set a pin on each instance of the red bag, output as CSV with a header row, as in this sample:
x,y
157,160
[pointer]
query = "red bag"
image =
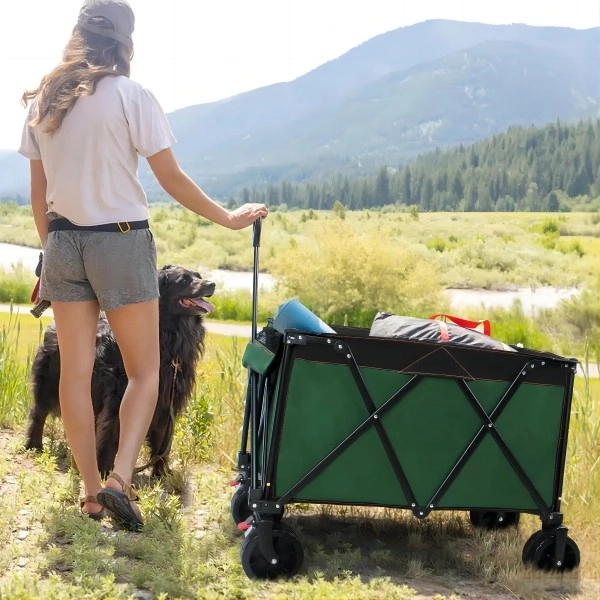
x,y
35,292
482,326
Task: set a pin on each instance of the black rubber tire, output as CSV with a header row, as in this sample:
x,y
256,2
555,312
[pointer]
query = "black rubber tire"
x,y
538,552
287,547
240,510
490,519
530,544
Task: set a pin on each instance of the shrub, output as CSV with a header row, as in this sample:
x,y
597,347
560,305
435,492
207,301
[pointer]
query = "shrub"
x,y
582,313
550,226
576,248
512,326
16,286
236,305
339,210
437,243
487,257
347,277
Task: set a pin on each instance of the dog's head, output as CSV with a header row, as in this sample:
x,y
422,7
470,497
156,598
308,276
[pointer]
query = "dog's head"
x,y
183,292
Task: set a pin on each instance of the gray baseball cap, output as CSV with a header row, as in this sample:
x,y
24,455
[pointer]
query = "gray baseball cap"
x,y
94,14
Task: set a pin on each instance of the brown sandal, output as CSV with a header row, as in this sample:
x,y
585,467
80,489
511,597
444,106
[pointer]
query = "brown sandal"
x,y
119,504
96,516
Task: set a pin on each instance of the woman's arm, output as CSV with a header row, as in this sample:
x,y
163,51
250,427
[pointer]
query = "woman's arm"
x,y
177,184
38,199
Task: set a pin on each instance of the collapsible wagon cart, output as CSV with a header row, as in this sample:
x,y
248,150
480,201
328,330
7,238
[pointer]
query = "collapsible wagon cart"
x,y
348,418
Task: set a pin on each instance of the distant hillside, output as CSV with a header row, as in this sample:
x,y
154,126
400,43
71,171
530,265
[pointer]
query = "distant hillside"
x,y
433,84
462,97
202,129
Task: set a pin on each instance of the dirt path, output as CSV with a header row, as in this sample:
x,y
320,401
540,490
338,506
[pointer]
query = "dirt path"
x,y
212,326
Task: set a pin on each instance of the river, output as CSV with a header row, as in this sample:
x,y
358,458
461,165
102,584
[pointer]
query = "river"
x,y
532,300
11,255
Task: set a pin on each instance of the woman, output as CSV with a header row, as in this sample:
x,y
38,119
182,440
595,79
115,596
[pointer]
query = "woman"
x,y
87,124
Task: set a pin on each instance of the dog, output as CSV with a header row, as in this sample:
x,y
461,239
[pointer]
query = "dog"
x,y
182,306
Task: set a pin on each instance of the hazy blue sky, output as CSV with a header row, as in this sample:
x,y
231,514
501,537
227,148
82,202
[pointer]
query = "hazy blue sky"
x,y
194,51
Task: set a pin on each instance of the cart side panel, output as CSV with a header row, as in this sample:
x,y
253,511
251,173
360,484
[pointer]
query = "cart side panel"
x,y
531,426
323,406
361,475
430,428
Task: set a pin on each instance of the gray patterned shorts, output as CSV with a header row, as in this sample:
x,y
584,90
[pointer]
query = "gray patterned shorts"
x,y
115,269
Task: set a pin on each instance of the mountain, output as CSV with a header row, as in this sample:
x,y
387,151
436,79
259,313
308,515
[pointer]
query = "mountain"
x,y
202,128
462,97
433,84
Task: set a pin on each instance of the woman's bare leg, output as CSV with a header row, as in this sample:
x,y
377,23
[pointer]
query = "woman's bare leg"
x,y
135,327
76,326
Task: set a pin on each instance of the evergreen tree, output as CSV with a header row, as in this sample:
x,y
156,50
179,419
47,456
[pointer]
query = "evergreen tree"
x,y
382,188
457,185
521,169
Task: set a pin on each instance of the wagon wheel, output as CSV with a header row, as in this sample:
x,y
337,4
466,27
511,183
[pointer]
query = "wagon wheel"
x,y
285,527
240,510
491,519
539,552
530,544
287,547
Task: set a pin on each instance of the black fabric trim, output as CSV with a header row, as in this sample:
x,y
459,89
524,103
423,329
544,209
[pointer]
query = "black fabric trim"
x,y
121,227
442,359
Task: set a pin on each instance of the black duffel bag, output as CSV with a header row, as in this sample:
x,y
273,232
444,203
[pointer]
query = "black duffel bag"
x,y
386,325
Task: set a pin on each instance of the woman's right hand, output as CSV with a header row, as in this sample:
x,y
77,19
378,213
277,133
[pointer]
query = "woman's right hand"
x,y
246,215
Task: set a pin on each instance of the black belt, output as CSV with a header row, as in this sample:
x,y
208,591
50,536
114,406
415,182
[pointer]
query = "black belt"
x,y
121,227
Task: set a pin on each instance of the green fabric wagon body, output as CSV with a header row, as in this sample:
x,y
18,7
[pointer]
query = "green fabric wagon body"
x,y
353,419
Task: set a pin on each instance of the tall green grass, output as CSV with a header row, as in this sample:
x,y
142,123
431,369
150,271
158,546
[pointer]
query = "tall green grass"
x,y
208,428
14,393
513,326
583,469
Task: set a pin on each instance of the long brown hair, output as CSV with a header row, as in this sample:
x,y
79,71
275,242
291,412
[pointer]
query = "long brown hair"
x,y
87,58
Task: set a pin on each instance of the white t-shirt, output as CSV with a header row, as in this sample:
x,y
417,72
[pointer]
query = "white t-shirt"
x,y
91,161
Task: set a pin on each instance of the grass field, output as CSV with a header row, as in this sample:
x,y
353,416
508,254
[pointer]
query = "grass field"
x,y
190,547
472,249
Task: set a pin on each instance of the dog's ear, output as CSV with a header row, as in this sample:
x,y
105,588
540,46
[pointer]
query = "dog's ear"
x,y
163,277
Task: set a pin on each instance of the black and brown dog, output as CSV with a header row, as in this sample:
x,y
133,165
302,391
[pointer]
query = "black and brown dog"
x,y
182,306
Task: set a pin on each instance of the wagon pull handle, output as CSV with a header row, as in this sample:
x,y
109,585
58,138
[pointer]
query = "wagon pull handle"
x,y
256,227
